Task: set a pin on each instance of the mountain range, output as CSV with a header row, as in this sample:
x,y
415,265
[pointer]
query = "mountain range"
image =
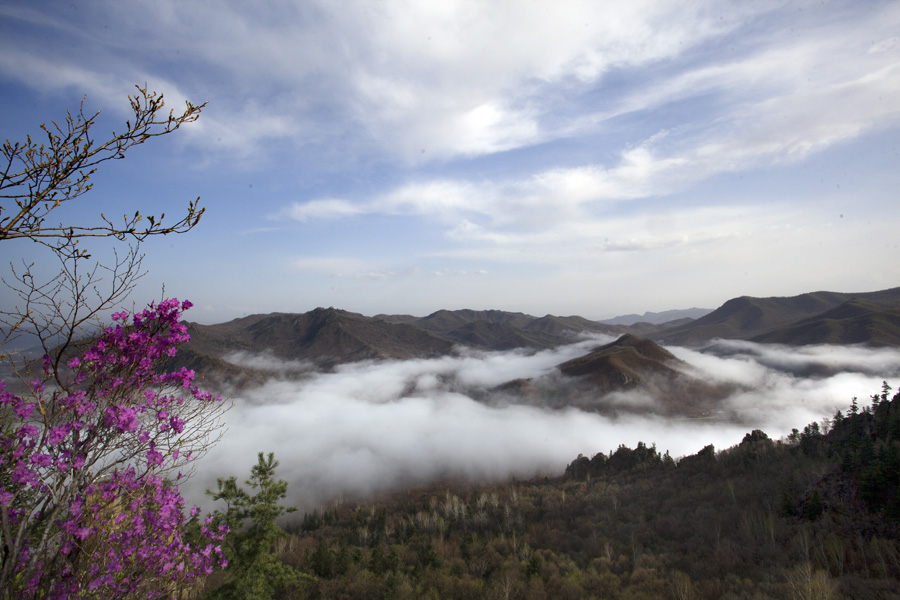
x,y
871,318
326,337
329,336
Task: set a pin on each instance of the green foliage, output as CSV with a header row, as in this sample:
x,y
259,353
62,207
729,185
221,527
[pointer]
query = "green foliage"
x,y
254,571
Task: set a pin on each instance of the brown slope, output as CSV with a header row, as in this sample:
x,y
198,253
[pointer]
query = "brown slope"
x,y
622,364
854,322
501,330
397,319
747,317
568,327
631,363
497,336
445,321
325,336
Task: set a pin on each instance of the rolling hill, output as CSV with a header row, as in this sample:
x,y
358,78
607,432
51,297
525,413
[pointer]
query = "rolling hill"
x,y
623,364
854,322
762,319
326,337
634,370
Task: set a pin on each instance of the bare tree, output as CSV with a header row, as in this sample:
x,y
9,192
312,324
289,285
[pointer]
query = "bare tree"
x,y
129,421
39,176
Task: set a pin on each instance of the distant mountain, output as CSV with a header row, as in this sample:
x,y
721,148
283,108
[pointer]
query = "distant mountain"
x,y
853,322
497,336
622,364
325,336
629,364
446,321
397,319
501,330
781,318
658,318
569,326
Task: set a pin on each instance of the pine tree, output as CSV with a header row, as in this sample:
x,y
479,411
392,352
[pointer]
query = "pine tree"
x,y
254,572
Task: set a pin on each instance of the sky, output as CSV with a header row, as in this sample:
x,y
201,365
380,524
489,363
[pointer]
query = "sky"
x,y
566,157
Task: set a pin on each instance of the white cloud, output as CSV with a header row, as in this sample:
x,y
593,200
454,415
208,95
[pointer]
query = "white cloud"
x,y
463,79
323,209
466,78
375,426
101,88
269,363
885,45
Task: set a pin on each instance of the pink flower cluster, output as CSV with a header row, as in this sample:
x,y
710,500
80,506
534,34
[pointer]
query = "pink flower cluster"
x,y
85,504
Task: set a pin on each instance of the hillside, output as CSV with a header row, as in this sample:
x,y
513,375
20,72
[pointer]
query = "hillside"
x,y
598,382
622,364
501,330
853,322
498,336
446,321
324,336
751,318
327,337
658,318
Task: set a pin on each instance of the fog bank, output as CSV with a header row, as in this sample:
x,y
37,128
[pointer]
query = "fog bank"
x,y
370,426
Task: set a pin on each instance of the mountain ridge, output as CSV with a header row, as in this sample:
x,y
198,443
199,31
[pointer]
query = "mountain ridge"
x,y
328,336
749,318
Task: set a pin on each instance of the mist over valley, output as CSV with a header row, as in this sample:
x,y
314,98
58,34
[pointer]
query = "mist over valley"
x,y
354,405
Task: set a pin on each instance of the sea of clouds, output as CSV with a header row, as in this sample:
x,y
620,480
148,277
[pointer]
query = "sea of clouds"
x,y
375,426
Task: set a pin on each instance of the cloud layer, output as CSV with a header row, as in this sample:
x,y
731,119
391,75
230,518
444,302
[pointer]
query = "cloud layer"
x,y
371,427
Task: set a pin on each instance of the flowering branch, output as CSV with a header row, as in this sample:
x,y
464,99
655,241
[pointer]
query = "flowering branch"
x,y
89,505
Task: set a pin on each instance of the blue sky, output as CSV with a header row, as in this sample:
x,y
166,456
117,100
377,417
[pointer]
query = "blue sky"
x,y
592,158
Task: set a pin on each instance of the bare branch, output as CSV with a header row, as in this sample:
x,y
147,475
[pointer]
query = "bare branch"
x,y
59,169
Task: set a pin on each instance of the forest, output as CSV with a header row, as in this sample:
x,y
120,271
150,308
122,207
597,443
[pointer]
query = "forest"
x,y
814,515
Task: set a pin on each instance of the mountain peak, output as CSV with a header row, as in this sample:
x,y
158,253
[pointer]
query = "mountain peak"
x,y
621,363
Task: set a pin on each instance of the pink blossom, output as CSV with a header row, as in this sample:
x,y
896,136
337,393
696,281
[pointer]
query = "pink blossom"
x,y
117,382
177,424
24,411
57,435
41,460
29,431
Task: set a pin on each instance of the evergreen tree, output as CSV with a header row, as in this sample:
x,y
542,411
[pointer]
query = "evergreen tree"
x,y
254,572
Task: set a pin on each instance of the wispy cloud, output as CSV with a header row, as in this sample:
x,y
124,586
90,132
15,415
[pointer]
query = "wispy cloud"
x,y
323,209
424,83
